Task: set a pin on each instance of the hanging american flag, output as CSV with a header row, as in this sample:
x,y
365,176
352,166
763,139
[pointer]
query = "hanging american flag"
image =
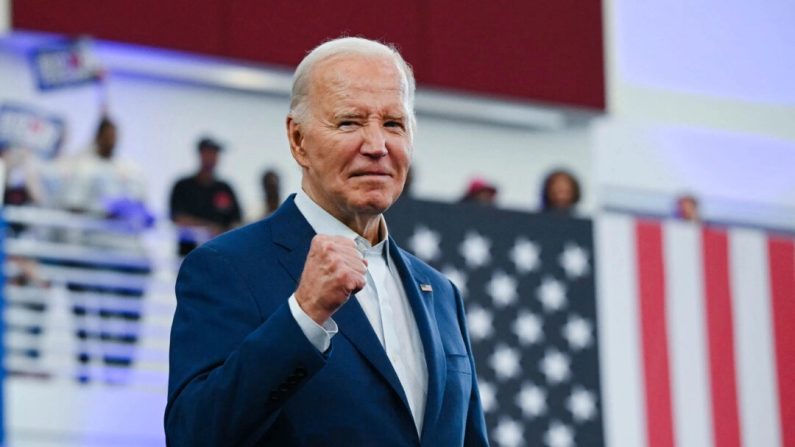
x,y
697,335
696,345
528,287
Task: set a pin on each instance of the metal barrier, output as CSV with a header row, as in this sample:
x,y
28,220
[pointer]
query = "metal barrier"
x,y
88,307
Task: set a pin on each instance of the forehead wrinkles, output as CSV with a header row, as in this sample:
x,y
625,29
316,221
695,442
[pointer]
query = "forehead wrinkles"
x,y
341,78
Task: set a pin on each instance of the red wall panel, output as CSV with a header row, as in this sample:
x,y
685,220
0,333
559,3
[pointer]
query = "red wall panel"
x,y
282,32
540,50
545,50
191,25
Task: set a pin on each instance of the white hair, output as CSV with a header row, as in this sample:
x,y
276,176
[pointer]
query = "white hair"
x,y
299,97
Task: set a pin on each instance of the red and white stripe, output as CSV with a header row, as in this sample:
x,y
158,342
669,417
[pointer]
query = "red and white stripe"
x,y
697,334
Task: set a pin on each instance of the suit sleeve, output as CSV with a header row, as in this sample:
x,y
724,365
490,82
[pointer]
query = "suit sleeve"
x,y
230,372
475,431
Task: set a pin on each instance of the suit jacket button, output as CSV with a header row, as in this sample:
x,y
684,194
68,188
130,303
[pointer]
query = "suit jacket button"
x,y
300,372
284,388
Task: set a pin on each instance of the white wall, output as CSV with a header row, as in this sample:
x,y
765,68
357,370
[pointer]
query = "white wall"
x,y
719,64
449,153
161,121
700,98
5,16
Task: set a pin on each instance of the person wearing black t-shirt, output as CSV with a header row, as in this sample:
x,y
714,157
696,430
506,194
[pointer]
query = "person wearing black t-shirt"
x,y
202,206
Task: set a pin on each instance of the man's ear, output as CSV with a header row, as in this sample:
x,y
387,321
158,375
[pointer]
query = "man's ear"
x,y
296,139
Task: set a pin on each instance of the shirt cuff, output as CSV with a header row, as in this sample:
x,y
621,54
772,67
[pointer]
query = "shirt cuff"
x,y
319,336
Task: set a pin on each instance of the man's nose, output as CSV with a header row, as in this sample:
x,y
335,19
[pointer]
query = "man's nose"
x,y
374,144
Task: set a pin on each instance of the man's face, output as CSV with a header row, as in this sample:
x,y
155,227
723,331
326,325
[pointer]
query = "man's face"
x,y
688,208
106,141
208,158
561,192
354,145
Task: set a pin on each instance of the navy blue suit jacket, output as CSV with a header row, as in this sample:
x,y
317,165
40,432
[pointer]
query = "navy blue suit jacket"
x,y
242,373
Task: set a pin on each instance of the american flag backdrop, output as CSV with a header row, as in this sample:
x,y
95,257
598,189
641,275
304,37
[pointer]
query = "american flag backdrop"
x,y
697,335
528,288
620,331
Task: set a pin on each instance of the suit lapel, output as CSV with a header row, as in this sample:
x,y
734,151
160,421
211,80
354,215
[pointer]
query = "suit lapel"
x,y
355,326
293,232
422,305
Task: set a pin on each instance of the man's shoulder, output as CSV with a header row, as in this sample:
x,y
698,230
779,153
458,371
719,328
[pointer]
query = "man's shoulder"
x,y
258,238
246,250
250,237
222,184
184,182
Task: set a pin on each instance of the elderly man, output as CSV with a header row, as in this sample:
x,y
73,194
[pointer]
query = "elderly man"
x,y
312,327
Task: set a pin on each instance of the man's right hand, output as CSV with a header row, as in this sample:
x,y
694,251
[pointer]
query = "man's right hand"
x,y
334,270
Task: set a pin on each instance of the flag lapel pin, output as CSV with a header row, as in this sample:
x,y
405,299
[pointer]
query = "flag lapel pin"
x,y
426,288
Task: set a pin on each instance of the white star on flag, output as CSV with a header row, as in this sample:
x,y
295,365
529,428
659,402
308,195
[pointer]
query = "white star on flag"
x,y
502,289
524,255
559,435
532,400
479,321
475,249
582,404
425,243
552,294
555,366
574,260
488,398
578,332
505,362
529,288
509,433
457,277
527,328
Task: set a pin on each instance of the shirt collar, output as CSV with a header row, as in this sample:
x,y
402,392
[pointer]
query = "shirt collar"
x,y
324,223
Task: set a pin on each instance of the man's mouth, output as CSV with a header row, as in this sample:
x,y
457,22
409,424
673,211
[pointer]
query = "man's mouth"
x,y
370,174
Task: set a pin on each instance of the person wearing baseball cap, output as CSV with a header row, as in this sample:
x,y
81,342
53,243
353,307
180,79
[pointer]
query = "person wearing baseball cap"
x,y
202,205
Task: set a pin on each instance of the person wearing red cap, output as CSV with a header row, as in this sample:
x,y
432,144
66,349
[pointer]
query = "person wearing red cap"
x,y
480,191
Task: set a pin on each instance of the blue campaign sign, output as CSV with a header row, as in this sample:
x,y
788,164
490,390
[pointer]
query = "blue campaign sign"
x,y
65,64
29,128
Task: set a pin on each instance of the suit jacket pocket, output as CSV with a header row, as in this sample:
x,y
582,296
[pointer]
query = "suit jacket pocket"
x,y
459,363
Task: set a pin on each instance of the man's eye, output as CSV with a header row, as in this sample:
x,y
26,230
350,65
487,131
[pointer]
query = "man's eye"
x,y
396,124
347,124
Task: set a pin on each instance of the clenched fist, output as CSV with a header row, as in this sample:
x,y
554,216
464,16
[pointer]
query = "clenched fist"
x,y
334,269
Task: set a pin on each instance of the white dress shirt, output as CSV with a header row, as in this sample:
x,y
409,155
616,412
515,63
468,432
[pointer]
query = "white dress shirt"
x,y
89,182
384,302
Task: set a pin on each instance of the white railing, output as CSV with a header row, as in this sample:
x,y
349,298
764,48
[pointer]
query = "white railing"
x,y
88,309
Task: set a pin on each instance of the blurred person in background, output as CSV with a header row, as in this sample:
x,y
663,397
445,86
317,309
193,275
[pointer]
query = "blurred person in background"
x,y
18,172
95,182
31,179
560,192
202,205
481,192
686,208
24,173
271,191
